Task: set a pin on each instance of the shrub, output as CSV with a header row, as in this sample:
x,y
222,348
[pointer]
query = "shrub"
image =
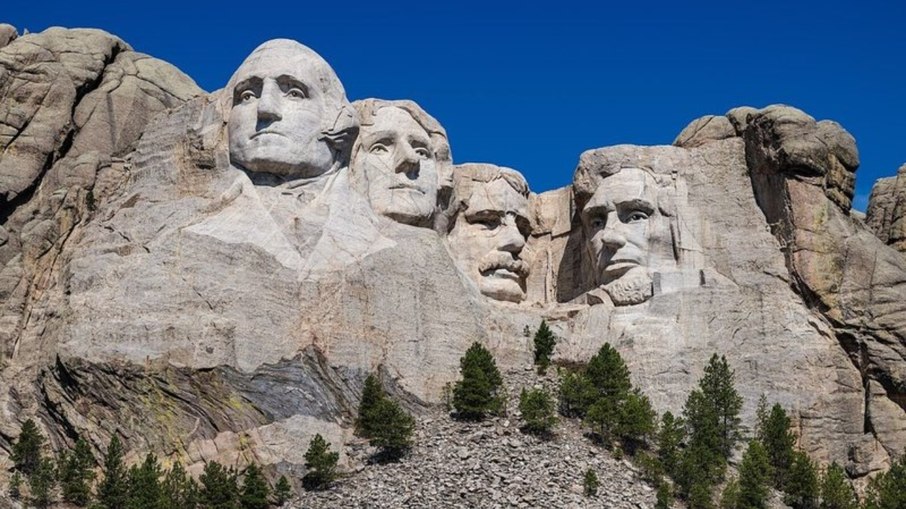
x,y
537,408
15,486
320,463
729,499
26,452
476,394
544,346
590,483
577,394
836,492
888,490
664,498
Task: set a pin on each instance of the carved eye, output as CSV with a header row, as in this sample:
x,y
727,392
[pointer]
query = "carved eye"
x,y
246,96
423,152
636,216
488,223
296,93
597,223
378,148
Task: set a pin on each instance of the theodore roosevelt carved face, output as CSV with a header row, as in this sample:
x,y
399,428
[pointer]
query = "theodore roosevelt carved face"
x,y
490,229
396,157
288,114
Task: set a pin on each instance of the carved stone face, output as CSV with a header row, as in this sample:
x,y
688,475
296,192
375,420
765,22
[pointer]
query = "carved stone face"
x,y
397,160
488,237
617,220
278,109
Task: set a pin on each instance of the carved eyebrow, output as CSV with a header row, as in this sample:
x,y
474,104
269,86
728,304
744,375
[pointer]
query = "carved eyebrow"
x,y
286,82
636,204
251,83
600,209
482,213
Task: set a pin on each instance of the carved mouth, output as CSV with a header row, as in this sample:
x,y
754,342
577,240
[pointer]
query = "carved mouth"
x,y
259,133
503,273
408,187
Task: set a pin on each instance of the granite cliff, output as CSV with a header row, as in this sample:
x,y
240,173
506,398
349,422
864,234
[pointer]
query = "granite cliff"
x,y
212,275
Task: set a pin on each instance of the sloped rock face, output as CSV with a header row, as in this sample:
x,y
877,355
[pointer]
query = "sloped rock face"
x,y
886,214
171,277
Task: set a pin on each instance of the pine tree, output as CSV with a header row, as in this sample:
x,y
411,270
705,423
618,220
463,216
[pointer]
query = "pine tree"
x,y
15,486
41,484
371,395
609,375
544,346
320,463
144,484
590,483
717,385
701,464
778,442
836,492
113,490
664,498
76,474
391,429
801,484
255,490
283,491
729,499
636,421
178,490
700,496
754,477
476,394
669,438
577,394
26,452
219,487
537,409
762,411
888,490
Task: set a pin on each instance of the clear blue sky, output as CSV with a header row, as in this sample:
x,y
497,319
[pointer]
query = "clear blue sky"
x,y
532,86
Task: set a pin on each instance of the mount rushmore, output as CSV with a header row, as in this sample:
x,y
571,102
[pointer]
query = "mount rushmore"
x,y
212,276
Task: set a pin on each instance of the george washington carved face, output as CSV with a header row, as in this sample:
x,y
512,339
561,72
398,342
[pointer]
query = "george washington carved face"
x,y
287,112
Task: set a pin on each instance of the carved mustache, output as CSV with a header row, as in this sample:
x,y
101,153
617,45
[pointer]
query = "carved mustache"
x,y
501,260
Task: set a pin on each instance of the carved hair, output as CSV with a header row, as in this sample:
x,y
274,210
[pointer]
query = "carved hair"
x,y
367,109
465,178
597,165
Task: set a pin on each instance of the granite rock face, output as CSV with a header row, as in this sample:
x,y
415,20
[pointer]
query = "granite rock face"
x,y
212,276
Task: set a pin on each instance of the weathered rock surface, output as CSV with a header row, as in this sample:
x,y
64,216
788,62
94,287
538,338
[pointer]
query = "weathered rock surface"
x,y
886,213
157,286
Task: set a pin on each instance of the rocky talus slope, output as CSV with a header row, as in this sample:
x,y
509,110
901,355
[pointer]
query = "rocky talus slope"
x,y
487,464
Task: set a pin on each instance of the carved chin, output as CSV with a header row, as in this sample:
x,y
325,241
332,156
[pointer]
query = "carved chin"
x,y
501,289
635,287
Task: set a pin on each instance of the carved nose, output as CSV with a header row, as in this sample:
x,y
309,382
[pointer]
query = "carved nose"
x,y
406,160
511,239
613,236
269,104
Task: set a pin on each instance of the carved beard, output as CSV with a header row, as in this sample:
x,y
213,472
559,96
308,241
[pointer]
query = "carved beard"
x,y
634,287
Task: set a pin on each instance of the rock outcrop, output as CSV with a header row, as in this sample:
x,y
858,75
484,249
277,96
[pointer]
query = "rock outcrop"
x,y
212,276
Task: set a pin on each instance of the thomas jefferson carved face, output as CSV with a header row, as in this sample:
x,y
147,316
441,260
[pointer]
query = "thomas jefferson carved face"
x,y
489,234
283,96
396,158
